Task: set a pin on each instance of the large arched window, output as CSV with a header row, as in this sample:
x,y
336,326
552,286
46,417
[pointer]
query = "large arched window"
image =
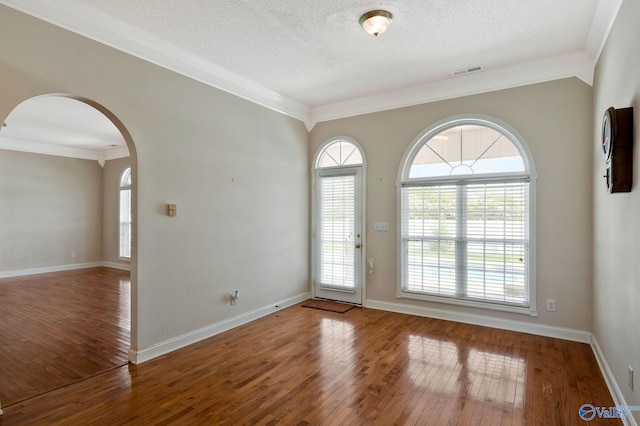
x,y
125,214
466,211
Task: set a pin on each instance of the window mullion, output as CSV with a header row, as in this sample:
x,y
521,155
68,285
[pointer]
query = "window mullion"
x,y
461,241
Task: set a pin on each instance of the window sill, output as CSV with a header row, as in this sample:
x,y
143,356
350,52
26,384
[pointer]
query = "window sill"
x,y
524,310
124,259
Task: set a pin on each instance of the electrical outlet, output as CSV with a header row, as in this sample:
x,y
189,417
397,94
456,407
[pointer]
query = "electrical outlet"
x,y
235,296
551,305
73,254
631,378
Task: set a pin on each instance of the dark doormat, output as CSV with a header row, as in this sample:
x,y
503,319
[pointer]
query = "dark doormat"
x,y
328,305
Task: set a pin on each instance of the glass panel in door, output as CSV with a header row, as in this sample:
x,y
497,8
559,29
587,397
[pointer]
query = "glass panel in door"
x,y
338,235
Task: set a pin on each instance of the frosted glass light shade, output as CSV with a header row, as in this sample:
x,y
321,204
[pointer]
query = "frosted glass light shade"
x,y
376,22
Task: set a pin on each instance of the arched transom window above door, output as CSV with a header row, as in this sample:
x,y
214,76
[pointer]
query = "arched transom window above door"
x,y
339,153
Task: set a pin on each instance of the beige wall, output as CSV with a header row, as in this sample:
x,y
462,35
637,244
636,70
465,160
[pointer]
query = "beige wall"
x,y
54,206
111,175
50,207
555,121
616,277
237,171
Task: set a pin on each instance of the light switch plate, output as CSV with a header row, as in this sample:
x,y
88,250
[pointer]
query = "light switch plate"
x,y
381,226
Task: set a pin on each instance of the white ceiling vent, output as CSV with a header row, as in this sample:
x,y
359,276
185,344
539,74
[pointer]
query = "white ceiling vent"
x,y
467,70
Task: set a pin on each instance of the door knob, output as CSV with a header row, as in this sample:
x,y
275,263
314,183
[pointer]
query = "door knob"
x,y
358,245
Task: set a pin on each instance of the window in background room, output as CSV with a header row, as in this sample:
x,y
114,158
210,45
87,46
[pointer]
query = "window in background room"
x,y
466,190
125,214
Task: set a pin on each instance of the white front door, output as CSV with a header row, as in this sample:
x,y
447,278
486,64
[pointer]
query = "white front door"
x,y
338,234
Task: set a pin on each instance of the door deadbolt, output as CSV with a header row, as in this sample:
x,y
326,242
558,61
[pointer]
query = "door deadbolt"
x,y
358,245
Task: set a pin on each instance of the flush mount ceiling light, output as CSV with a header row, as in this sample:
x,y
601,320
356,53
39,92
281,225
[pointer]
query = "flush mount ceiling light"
x,y
376,22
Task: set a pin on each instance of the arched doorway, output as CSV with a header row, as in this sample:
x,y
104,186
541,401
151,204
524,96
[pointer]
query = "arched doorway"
x,y
89,132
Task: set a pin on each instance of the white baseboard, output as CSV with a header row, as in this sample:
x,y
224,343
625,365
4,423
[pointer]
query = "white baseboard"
x,y
141,355
612,384
116,265
487,321
47,269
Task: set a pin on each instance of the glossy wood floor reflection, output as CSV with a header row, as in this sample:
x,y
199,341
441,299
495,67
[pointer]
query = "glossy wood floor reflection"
x,y
304,366
61,327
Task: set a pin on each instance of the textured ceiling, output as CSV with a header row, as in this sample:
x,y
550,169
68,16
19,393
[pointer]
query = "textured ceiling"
x,y
74,127
315,51
310,59
67,121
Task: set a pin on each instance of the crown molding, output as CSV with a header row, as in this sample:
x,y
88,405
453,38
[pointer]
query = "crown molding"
x,y
46,149
115,153
578,65
103,28
12,144
603,19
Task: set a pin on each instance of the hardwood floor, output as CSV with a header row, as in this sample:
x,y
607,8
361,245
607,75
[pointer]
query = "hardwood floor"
x,y
61,327
305,366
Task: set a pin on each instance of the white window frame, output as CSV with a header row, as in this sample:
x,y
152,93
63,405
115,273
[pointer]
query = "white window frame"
x,y
529,173
125,185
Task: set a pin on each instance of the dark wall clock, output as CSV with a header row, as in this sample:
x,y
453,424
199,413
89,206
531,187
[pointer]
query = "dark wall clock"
x,y
617,148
